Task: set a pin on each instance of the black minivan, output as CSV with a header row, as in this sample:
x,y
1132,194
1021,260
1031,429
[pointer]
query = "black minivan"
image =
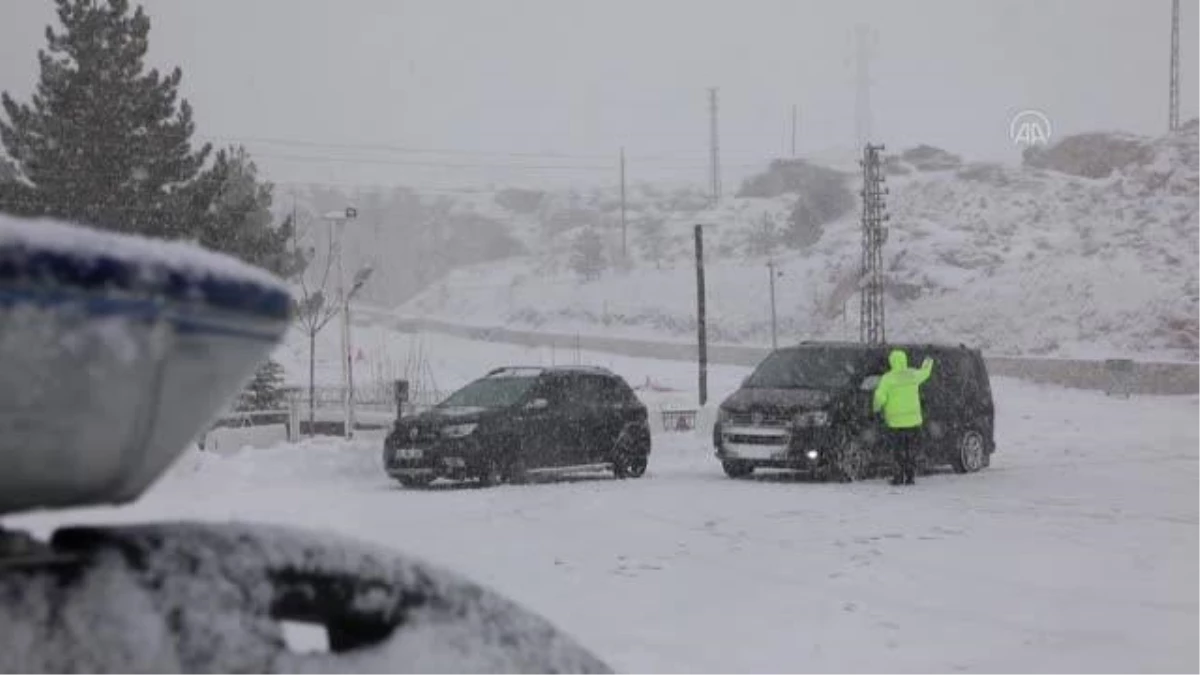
x,y
523,419
808,408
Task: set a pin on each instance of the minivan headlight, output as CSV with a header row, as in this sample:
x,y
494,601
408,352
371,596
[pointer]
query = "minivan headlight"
x,y
724,416
812,418
458,430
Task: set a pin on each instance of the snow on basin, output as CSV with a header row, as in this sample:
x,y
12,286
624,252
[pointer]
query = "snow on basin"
x,y
114,352
199,597
1075,551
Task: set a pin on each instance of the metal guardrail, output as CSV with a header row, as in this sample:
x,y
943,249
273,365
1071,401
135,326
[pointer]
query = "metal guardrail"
x,y
375,407
678,420
372,395
327,421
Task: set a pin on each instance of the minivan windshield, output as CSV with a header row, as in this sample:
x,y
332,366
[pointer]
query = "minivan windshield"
x,y
807,369
489,392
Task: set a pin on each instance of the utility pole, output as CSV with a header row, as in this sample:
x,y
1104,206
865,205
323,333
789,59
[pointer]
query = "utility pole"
x,y
714,148
347,378
793,131
771,274
624,248
1173,111
701,336
871,316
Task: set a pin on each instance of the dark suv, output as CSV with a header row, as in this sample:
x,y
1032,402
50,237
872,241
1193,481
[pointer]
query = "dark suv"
x,y
522,419
808,408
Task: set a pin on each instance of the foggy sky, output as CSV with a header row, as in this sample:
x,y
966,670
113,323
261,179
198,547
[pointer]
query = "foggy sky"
x,y
582,79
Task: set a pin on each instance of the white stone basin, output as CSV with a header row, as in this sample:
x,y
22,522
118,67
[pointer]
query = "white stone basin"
x,y
115,353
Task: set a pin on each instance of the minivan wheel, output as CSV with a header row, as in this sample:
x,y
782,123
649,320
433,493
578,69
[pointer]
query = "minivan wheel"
x,y
491,474
516,471
971,453
851,462
737,469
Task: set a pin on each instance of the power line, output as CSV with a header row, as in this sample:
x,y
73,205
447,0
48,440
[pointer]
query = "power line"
x,y
398,149
373,150
433,164
480,165
384,147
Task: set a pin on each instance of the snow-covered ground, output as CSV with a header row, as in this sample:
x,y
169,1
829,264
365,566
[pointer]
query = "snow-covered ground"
x,y
1075,551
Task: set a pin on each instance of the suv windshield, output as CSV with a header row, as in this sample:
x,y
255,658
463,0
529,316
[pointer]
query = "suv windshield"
x,y
807,369
489,392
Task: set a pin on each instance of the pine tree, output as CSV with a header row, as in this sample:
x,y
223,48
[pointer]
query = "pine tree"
x,y
265,391
102,141
229,210
587,257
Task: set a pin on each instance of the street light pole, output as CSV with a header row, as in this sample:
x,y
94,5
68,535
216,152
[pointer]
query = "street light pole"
x,y
771,273
347,359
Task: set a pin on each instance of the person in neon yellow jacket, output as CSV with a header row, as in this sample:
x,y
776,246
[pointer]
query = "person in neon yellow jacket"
x,y
898,395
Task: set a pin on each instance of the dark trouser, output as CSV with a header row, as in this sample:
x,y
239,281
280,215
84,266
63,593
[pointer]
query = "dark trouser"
x,y
904,450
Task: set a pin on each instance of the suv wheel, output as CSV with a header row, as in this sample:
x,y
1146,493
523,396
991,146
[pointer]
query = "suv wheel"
x,y
735,469
630,458
630,466
851,462
970,452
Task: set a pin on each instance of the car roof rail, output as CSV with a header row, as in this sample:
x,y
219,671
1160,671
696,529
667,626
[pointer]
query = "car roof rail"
x,y
578,368
502,369
582,368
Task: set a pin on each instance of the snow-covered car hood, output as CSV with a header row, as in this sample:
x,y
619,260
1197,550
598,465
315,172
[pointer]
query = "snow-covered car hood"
x,y
192,597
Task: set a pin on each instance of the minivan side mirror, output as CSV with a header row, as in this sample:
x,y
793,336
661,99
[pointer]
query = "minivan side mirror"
x,y
537,404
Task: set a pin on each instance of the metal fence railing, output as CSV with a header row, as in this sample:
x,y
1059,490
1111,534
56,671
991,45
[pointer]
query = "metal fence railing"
x,y
374,395
678,420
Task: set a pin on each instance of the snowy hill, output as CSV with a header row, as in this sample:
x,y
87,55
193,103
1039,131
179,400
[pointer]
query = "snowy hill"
x,y
1041,259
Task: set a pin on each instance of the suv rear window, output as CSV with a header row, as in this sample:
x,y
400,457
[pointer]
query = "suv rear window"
x,y
813,368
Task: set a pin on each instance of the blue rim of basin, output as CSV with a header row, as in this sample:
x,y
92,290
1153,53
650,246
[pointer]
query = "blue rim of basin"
x,y
112,283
